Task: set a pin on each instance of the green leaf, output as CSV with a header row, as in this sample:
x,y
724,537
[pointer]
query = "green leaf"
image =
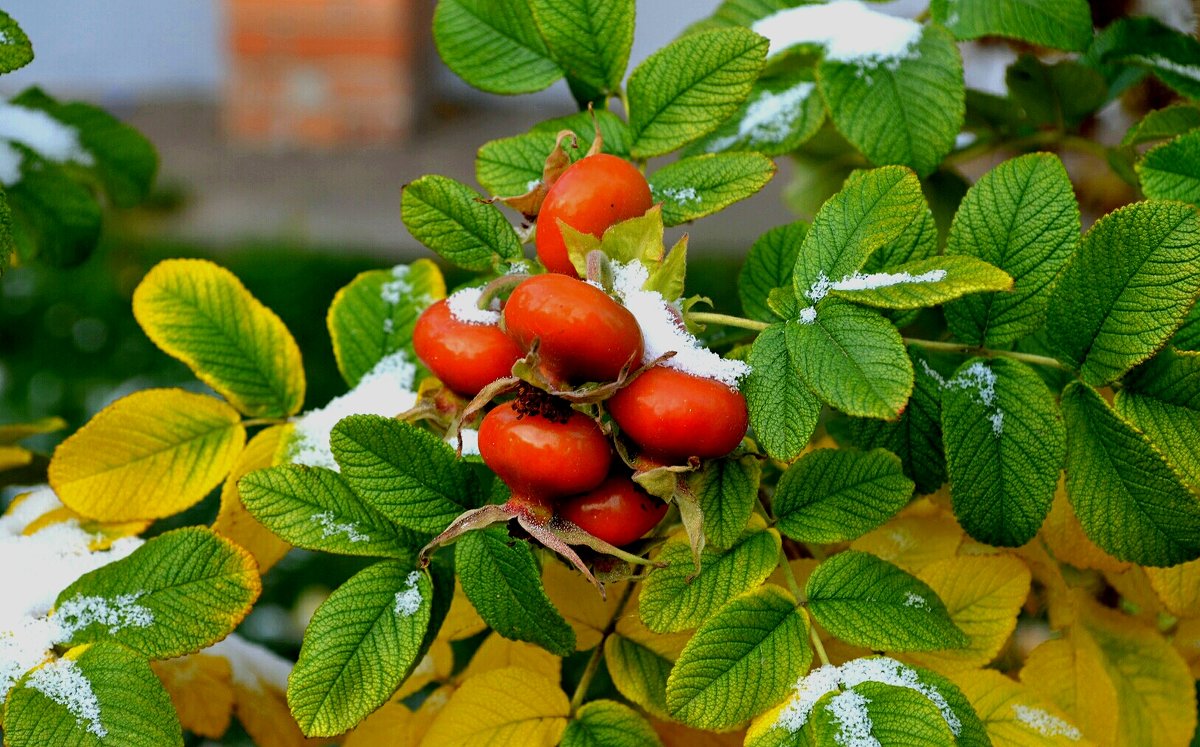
x,y
407,474
769,265
55,217
1187,337
888,714
1004,449
500,577
1128,499
200,313
1145,42
783,408
727,490
671,599
1023,218
917,436
449,218
613,131
494,45
1066,24
872,210
1127,289
1060,95
869,602
313,508
639,673
8,245
781,113
606,723
833,495
176,594
1162,124
741,661
1171,171
98,694
590,39
694,187
374,315
15,49
906,111
513,165
686,89
854,360
1161,398
361,643
926,282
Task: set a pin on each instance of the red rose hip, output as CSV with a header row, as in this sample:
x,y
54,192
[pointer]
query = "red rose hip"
x,y
465,356
617,511
537,456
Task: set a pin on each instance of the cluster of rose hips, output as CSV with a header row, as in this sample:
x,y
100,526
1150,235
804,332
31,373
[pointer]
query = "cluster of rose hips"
x,y
557,460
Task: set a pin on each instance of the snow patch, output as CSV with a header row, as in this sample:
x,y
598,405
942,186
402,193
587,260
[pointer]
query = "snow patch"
x,y
1046,724
809,689
858,282
252,665
384,390
10,164
63,682
392,291
849,31
39,132
768,119
330,527
408,600
663,331
464,307
916,600
678,195
808,315
850,712
80,611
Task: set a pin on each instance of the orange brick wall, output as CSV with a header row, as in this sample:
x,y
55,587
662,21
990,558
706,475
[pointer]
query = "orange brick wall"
x,y
322,73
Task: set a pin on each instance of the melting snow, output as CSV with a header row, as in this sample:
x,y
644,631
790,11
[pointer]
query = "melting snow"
x,y
63,682
916,600
39,132
849,30
982,380
768,119
1046,724
464,306
408,601
330,527
850,712
253,666
392,291
663,330
79,612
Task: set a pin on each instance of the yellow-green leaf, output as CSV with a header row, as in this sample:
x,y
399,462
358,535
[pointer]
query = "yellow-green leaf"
x,y
1069,673
510,706
497,652
233,520
605,723
1013,715
1178,587
148,455
201,313
10,433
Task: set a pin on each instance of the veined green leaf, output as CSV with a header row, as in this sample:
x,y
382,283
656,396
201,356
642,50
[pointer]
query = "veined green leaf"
x,y
362,642
783,408
1128,499
1187,337
98,694
869,602
607,723
448,218
176,594
906,111
500,577
374,315
407,474
1066,24
1163,124
741,661
781,113
917,436
671,599
494,45
1004,449
1023,218
1173,57
727,490
833,495
313,508
887,713
590,39
639,673
200,313
15,49
694,187
769,265
55,217
1128,288
926,282
1171,171
686,89
613,131
1162,399
873,209
854,360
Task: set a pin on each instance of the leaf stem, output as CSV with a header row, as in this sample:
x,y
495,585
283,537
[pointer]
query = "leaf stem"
x,y
264,421
790,577
817,645
957,347
598,653
708,317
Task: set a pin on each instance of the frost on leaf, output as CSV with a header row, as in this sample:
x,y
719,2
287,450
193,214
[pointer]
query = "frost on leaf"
x,y
330,527
982,380
768,119
63,682
1046,724
408,601
858,282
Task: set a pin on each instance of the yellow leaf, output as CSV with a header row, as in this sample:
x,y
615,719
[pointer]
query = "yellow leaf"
x,y
200,690
104,534
913,542
148,455
435,666
12,457
678,735
983,594
667,645
577,600
200,313
391,725
1055,594
10,433
497,652
462,621
233,520
1069,672
1013,715
1156,697
510,706
1178,588
1134,587
265,717
1187,642
1065,537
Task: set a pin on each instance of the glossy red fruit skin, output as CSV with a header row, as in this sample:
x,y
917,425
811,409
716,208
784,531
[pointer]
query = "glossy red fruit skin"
x,y
673,415
617,511
465,357
591,195
538,457
584,334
